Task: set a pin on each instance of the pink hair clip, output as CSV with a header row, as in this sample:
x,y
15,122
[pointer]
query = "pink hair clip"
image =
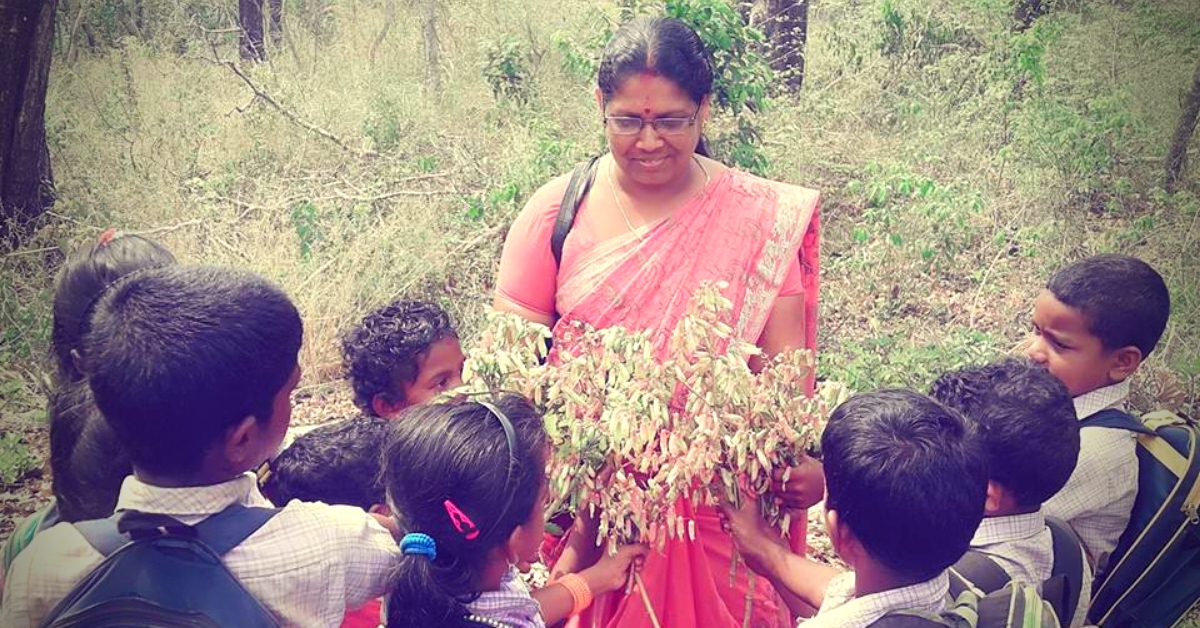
x,y
461,521
107,236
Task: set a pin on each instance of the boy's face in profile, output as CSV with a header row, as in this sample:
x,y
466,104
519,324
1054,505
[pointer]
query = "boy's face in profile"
x,y
1063,343
440,370
281,416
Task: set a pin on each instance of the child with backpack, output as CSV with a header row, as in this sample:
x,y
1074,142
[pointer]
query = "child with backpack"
x,y
401,354
86,462
193,368
467,483
337,463
1094,324
1030,436
906,482
1135,494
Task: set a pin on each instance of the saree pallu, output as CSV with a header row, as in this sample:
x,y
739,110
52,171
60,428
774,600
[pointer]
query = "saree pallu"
x,y
747,232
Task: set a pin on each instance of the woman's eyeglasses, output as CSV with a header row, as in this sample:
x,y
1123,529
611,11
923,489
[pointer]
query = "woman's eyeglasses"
x,y
628,125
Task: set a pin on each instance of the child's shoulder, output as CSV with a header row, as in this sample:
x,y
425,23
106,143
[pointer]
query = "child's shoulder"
x,y
329,523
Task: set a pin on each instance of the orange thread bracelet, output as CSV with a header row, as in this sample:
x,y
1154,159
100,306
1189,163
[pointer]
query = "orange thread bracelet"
x,y
581,593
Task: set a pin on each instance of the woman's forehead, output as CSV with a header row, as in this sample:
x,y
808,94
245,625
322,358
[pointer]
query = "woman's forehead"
x,y
649,92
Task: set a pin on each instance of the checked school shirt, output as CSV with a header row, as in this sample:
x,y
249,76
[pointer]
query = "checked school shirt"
x,y
308,565
1098,499
842,610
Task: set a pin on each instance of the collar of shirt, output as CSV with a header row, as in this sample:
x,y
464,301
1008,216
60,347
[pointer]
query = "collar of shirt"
x,y
1009,528
511,604
1111,396
842,610
190,504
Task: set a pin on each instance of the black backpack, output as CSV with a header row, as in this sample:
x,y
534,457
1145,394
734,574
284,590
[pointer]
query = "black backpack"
x,y
1061,590
161,573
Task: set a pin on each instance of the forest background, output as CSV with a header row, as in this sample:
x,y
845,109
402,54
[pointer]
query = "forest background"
x,y
374,149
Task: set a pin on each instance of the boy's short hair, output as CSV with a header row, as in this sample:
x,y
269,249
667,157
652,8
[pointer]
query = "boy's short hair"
x,y
178,355
1124,300
334,464
907,476
1027,423
385,349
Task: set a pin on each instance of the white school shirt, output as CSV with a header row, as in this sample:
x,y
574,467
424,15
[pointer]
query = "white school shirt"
x,y
1098,499
308,565
841,609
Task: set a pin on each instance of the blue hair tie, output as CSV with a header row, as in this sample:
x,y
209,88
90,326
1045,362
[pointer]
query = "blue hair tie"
x,y
418,544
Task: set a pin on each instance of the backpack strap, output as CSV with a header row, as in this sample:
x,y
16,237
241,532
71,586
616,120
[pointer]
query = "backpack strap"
x,y
220,532
577,188
228,528
103,534
1066,576
1117,419
976,569
909,619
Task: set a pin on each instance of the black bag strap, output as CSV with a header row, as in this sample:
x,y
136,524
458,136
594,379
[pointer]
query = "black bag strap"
x,y
1115,419
1066,576
975,568
577,188
220,532
908,619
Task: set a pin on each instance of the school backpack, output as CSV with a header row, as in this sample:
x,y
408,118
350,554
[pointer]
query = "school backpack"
x,y
161,573
1061,590
1153,576
1013,606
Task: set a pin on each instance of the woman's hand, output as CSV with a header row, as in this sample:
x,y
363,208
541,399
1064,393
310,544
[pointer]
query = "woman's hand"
x,y
805,485
611,571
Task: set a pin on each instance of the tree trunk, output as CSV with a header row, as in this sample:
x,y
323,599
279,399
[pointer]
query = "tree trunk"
x,y
432,46
26,183
276,9
250,18
785,23
1177,155
1026,11
389,20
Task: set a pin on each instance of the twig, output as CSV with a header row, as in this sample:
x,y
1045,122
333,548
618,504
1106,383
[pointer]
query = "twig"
x,y
382,197
641,586
318,271
167,229
227,246
31,252
294,118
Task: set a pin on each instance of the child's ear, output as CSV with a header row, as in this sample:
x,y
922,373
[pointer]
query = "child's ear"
x,y
841,538
600,100
380,509
1123,362
241,445
993,505
384,408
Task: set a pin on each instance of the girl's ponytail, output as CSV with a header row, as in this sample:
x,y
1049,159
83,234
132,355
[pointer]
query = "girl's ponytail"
x,y
418,599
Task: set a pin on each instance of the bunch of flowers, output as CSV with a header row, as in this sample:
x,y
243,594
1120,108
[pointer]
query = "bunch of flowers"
x,y
631,434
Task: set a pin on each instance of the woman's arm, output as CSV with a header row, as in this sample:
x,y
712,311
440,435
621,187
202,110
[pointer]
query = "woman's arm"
x,y
501,304
785,330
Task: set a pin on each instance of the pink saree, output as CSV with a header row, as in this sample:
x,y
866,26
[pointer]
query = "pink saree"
x,y
751,233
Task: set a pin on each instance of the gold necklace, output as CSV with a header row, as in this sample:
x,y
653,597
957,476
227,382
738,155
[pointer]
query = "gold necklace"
x,y
617,197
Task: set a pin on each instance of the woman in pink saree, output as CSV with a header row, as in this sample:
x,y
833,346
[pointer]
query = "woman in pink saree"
x,y
660,220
